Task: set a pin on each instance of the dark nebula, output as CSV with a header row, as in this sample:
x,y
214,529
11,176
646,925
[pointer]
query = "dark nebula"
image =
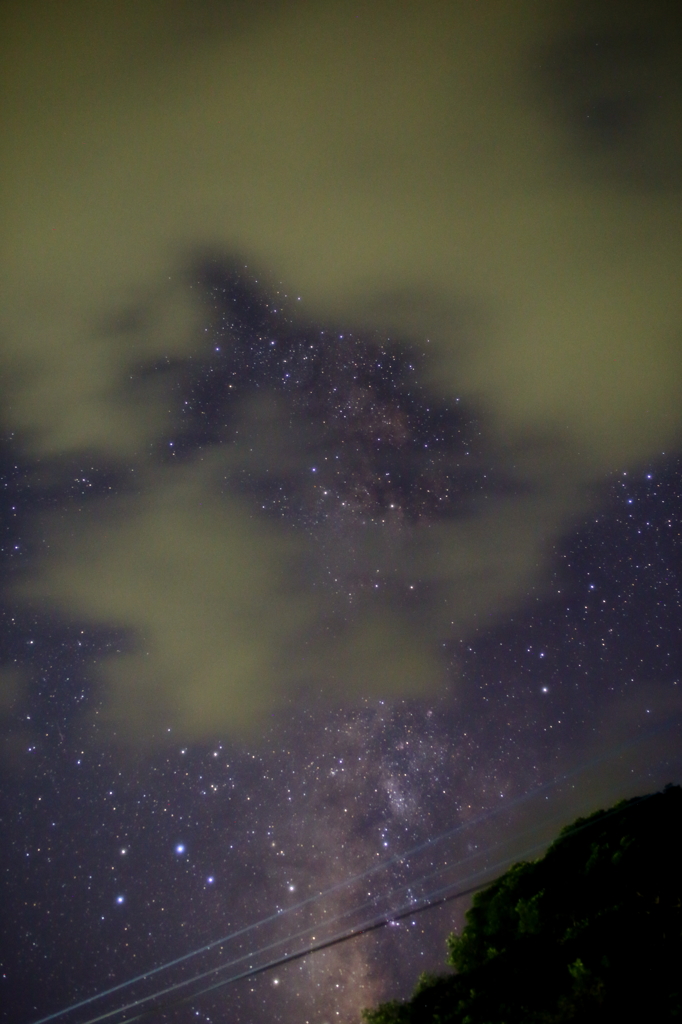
x,y
359,436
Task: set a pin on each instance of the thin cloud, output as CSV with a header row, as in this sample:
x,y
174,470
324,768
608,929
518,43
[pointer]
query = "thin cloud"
x,y
412,172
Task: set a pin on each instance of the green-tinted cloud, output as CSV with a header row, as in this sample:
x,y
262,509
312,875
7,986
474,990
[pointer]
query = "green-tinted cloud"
x,y
406,167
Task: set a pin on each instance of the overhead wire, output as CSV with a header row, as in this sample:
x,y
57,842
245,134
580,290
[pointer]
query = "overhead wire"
x,y
382,865
315,927
363,929
367,926
431,900
360,876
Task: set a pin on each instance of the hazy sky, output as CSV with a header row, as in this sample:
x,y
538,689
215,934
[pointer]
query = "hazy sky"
x,y
341,349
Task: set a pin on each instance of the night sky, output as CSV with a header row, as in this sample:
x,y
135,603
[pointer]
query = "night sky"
x,y
340,478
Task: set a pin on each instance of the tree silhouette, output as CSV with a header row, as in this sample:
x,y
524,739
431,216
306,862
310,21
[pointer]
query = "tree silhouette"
x,y
590,932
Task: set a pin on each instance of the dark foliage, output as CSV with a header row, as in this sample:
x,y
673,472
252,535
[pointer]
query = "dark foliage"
x,y
591,932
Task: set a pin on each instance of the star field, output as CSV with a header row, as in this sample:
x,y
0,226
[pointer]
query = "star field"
x,y
340,482
115,863
370,445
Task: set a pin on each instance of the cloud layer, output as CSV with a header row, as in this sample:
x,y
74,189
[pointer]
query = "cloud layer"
x,y
437,174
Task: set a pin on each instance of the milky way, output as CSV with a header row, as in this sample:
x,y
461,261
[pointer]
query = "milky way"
x,y
340,479
189,844
355,403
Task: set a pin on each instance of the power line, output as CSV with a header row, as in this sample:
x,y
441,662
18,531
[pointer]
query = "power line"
x,y
364,929
434,899
382,865
394,859
289,938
